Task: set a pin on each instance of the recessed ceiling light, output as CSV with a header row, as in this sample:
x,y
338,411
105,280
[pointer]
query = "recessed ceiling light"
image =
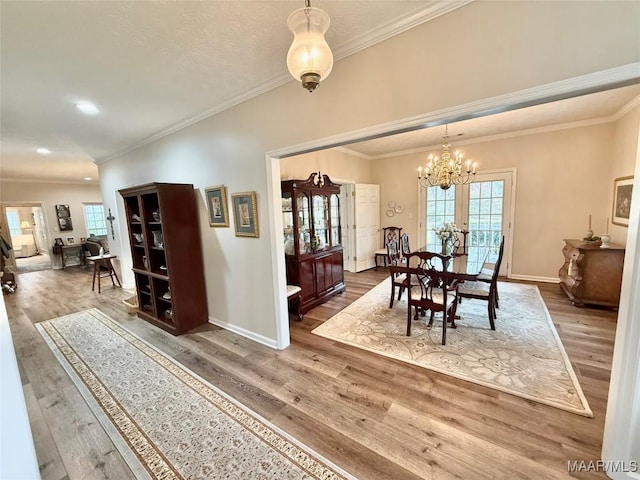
x,y
43,151
87,108
88,178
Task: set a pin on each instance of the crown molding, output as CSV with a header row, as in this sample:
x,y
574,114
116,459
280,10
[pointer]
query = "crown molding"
x,y
500,136
353,153
626,109
44,180
433,10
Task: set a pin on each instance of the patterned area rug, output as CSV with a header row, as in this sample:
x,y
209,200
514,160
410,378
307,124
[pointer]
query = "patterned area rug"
x,y
523,356
167,422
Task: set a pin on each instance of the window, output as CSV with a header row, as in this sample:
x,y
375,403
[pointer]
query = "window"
x,y
441,209
95,219
13,219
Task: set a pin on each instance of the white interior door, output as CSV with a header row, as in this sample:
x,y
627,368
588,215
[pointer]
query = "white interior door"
x,y
367,225
346,220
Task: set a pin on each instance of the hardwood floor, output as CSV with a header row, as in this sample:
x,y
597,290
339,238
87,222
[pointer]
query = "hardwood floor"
x,y
376,417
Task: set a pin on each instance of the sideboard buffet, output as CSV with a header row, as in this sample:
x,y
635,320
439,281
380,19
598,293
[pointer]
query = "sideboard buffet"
x,y
591,274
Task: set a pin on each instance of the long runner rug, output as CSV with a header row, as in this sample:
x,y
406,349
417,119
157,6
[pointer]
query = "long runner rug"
x,y
167,422
523,356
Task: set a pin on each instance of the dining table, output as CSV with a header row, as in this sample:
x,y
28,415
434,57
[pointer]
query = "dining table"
x,y
456,266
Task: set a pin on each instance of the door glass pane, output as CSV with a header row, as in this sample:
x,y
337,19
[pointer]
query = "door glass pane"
x,y
485,222
336,232
287,223
304,224
320,220
441,205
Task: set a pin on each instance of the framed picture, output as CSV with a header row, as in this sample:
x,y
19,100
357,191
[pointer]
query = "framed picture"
x,y
217,206
83,240
64,217
71,240
622,190
58,241
245,214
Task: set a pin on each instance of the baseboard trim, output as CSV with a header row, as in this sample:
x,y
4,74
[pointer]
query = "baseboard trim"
x,y
533,278
269,342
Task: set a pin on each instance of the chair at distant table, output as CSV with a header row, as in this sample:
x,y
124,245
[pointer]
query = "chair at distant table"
x,y
388,234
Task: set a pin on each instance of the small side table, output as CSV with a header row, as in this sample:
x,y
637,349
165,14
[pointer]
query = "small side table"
x,y
294,292
103,261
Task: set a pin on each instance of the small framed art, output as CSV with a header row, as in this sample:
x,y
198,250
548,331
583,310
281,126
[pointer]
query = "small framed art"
x,y
217,206
622,190
245,214
64,217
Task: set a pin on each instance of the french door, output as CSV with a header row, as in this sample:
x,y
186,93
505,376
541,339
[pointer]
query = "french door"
x,y
482,207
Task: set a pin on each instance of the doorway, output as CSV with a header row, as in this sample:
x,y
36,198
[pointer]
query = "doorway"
x,y
26,232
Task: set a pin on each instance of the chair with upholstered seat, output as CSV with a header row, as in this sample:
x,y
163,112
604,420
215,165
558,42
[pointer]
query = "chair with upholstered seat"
x,y
433,289
388,234
485,287
398,279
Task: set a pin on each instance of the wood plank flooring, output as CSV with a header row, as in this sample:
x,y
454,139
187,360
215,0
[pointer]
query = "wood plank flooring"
x,y
376,417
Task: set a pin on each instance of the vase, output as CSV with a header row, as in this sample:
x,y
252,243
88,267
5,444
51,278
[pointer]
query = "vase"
x,y
446,247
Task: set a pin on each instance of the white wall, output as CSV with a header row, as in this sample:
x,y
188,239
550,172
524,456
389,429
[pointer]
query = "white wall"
x,y
334,162
492,48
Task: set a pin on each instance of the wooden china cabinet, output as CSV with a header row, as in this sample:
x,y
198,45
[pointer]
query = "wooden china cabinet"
x,y
166,251
313,238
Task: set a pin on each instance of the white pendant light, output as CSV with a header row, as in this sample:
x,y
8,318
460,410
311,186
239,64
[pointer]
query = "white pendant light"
x,y
309,59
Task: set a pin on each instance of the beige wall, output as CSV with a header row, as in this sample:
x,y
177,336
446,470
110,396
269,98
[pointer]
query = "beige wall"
x,y
623,160
559,183
51,194
504,47
340,166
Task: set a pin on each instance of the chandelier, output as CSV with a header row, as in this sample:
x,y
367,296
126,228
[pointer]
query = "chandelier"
x,y
448,169
309,58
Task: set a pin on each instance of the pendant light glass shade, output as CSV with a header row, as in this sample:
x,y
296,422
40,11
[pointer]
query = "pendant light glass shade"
x,y
309,59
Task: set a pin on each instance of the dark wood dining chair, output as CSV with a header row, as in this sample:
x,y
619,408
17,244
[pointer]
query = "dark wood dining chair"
x,y
433,288
388,234
405,249
485,288
398,278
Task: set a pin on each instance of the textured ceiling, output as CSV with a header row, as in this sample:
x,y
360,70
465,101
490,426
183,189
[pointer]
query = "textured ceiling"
x,y
151,65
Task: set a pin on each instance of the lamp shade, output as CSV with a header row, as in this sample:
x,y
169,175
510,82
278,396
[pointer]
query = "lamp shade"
x,y
309,58
25,224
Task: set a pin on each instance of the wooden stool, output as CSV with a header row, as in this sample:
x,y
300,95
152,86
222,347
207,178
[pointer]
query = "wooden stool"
x,y
294,292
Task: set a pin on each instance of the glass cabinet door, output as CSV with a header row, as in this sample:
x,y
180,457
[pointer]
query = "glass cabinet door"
x,y
320,221
304,223
336,232
287,223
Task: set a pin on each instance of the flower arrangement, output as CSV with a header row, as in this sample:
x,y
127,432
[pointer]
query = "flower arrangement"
x,y
447,232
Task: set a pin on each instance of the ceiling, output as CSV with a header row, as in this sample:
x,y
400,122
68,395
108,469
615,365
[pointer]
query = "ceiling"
x,y
154,67
594,108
